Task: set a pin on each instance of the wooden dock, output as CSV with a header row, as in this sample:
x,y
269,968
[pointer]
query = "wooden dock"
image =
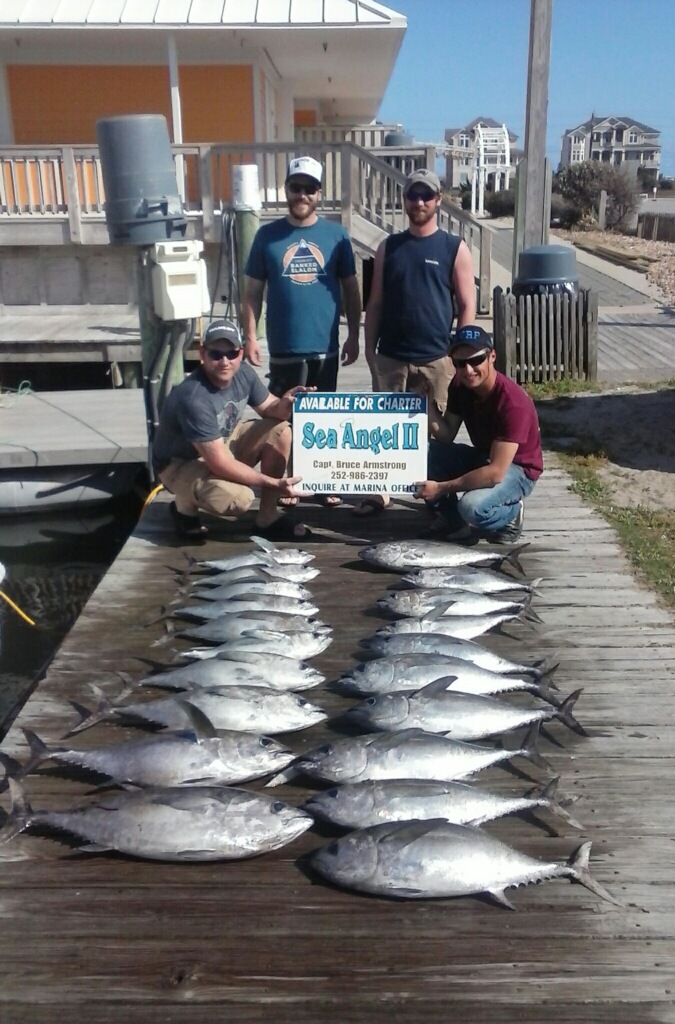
x,y
72,428
105,938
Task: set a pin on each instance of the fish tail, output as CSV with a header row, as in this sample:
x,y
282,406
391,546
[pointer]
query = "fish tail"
x,y
545,666
528,611
547,797
513,557
20,814
39,752
564,713
578,868
534,584
530,749
89,718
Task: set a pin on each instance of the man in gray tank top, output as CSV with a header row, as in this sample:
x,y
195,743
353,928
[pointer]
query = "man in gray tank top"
x,y
422,279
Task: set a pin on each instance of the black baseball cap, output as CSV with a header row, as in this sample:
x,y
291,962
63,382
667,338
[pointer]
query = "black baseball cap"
x,y
473,336
222,330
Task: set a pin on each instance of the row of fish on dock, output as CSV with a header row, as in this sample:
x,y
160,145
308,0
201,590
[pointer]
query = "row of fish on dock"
x,y
429,693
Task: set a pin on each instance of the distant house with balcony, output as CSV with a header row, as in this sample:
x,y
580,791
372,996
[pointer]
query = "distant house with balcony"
x,y
618,141
460,143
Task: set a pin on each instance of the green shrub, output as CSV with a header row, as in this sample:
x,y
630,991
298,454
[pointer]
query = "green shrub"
x,y
466,200
500,204
563,213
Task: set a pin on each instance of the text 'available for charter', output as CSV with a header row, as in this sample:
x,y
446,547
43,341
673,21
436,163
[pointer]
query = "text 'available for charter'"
x,y
360,443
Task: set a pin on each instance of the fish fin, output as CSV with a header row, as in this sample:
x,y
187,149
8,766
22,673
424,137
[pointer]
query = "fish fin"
x,y
545,666
290,772
564,713
530,750
200,723
534,584
408,893
438,611
189,855
266,545
263,634
408,832
499,896
546,797
88,718
513,557
528,611
388,741
578,868
39,752
20,813
95,848
436,686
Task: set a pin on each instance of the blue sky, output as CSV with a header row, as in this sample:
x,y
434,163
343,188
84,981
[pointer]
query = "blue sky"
x,y
464,58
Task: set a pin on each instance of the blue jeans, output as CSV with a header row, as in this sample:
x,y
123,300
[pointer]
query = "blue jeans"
x,y
488,508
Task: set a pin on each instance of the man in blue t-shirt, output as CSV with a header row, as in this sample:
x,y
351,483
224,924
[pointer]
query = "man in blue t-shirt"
x,y
205,453
307,263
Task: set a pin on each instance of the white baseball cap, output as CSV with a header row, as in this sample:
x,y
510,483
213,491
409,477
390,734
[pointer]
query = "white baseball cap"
x,y
305,165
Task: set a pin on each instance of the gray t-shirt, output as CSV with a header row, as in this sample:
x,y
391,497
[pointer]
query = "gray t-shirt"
x,y
197,411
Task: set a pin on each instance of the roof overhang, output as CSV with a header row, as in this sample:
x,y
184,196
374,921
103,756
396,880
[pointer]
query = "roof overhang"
x,y
342,65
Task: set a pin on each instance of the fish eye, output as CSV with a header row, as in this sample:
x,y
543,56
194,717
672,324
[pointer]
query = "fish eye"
x,y
302,703
326,749
265,741
371,700
332,793
332,850
277,807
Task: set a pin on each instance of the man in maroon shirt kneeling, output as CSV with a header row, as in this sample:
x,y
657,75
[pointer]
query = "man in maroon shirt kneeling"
x,y
499,469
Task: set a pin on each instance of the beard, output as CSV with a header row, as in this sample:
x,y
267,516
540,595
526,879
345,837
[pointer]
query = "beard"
x,y
421,215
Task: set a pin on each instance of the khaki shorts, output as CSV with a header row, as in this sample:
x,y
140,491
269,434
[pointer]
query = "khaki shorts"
x,y
194,487
393,375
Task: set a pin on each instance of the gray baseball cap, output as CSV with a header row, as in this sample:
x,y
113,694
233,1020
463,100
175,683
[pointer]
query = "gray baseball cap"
x,y
422,177
222,330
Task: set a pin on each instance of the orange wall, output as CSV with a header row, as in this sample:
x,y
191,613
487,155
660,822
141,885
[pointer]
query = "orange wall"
x,y
304,118
60,104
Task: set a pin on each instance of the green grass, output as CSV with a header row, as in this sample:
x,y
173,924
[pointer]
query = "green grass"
x,y
648,537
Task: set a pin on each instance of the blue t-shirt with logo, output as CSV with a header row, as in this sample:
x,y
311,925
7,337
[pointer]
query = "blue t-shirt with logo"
x,y
195,410
303,267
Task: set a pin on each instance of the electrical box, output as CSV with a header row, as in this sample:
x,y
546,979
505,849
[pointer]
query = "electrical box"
x,y
179,286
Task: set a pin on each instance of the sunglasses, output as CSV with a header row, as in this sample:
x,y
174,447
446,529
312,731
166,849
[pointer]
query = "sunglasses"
x,y
474,361
217,355
297,189
425,194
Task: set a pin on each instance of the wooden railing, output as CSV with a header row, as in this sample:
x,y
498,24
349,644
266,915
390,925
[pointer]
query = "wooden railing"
x,y
63,185
546,337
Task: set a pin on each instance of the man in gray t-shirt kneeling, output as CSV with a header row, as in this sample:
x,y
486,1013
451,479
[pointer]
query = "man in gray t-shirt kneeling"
x,y
205,455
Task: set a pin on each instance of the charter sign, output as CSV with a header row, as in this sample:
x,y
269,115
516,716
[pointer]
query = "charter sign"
x,y
360,443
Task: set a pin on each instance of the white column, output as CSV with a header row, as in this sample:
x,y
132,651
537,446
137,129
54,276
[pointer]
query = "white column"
x,y
6,125
176,113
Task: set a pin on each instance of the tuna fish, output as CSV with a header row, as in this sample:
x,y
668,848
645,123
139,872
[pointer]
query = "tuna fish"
x,y
256,605
424,859
237,591
200,757
268,556
413,754
279,674
466,627
361,804
433,554
417,604
411,671
462,716
202,824
230,627
481,581
265,641
259,573
240,708
454,647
